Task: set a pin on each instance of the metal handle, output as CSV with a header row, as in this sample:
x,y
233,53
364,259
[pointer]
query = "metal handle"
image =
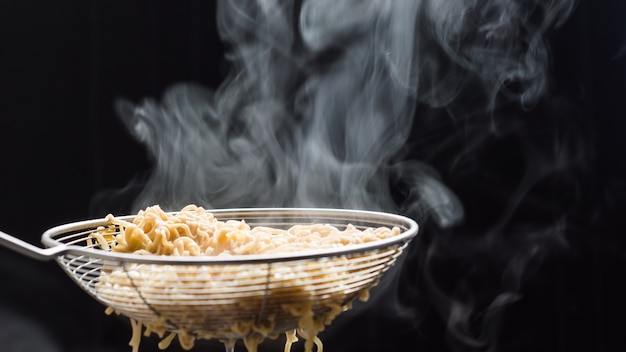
x,y
27,249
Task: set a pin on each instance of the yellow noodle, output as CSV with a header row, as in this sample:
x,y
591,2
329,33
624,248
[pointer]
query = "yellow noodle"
x,y
291,337
165,343
136,335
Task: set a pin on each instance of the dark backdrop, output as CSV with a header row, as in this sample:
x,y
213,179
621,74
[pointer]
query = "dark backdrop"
x,y
62,65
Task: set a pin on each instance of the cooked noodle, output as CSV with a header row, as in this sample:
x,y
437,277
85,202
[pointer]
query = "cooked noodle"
x,y
196,232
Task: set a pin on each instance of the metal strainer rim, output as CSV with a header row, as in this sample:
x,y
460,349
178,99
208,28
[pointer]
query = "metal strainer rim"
x,y
409,230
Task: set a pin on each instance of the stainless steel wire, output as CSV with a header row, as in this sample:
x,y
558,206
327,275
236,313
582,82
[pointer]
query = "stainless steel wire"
x,y
207,295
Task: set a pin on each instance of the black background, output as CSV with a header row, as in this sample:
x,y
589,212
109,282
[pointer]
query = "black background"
x,y
63,63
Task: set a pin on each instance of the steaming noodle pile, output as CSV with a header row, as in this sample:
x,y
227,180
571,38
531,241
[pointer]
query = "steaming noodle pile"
x,y
196,232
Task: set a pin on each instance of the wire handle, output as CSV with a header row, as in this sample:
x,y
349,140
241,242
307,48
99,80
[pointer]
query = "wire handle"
x,y
22,247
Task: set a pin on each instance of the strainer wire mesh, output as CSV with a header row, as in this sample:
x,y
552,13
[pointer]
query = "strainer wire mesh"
x,y
206,298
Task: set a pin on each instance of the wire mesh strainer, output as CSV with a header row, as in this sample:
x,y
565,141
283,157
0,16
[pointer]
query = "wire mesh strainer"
x,y
204,296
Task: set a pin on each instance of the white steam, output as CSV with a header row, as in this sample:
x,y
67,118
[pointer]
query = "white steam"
x,y
321,100
321,103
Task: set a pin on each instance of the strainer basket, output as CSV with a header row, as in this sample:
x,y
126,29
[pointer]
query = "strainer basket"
x,y
204,296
